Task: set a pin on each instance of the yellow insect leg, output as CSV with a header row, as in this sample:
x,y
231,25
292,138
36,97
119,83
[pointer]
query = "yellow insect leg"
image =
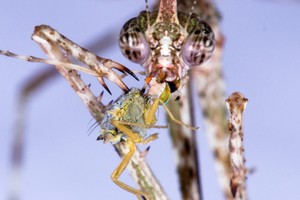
x,y
150,138
146,126
174,119
132,139
150,116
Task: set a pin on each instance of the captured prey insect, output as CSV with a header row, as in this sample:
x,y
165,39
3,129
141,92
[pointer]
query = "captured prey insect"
x,y
167,44
127,120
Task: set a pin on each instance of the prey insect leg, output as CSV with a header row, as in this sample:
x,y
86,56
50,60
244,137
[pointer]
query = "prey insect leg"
x,y
120,169
132,139
176,120
150,117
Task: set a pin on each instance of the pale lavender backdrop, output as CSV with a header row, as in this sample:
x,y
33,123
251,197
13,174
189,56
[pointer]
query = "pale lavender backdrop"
x,y
62,162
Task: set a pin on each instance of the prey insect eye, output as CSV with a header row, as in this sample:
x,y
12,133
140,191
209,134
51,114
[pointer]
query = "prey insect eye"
x,y
199,46
133,43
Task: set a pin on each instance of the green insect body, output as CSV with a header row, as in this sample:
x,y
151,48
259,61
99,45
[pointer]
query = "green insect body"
x,y
166,43
128,108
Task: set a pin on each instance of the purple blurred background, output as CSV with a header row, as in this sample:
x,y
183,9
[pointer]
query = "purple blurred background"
x,y
62,161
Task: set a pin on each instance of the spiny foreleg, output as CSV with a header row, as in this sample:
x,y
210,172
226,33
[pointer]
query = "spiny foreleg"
x,y
103,67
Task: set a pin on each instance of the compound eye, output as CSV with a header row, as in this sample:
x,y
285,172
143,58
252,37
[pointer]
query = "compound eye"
x,y
199,46
134,45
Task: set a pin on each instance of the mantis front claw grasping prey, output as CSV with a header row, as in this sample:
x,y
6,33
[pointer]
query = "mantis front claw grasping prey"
x,y
166,43
45,35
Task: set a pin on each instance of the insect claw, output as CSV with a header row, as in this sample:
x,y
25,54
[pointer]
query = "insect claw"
x,y
145,153
124,70
148,148
121,84
131,73
109,104
99,98
101,80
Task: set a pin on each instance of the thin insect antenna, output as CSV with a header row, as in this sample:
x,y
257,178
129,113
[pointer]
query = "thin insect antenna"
x,y
190,14
93,127
91,120
148,13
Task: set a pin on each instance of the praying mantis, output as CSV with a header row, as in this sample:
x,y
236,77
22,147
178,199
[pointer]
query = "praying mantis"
x,y
162,79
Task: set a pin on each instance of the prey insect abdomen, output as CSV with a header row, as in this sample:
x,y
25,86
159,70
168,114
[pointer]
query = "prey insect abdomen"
x,y
127,109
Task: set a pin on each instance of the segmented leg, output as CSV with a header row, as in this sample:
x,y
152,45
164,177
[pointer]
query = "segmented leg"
x,y
176,120
132,139
103,67
145,126
120,169
151,114
150,119
50,62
